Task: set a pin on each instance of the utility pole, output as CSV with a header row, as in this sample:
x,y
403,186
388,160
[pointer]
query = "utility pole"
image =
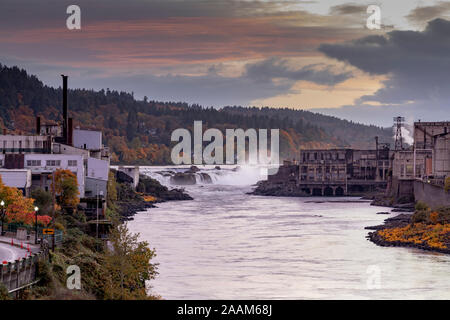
x,y
97,215
53,209
2,204
36,225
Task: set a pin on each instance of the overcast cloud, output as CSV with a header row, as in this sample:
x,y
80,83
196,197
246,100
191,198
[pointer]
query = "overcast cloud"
x,y
417,64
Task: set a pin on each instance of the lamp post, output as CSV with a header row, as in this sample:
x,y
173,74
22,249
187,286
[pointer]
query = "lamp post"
x,y
2,204
36,209
98,194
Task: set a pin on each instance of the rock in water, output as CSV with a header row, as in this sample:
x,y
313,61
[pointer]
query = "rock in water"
x,y
205,177
193,169
183,178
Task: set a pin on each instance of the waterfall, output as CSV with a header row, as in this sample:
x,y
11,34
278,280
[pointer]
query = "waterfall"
x,y
223,175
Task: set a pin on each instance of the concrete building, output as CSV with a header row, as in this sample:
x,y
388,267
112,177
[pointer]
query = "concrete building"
x,y
425,131
343,171
86,139
42,166
24,144
50,129
91,141
96,177
441,156
428,155
410,164
419,173
17,178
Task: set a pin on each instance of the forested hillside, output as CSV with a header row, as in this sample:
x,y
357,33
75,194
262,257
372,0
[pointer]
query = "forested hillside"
x,y
138,131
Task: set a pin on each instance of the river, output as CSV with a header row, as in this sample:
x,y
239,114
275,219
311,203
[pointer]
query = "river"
x,y
226,244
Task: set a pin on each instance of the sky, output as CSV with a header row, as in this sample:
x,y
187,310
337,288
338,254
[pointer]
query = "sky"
x,y
314,55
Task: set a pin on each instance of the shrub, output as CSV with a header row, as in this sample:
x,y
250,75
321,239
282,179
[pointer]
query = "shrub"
x,y
43,200
447,184
421,206
420,216
4,293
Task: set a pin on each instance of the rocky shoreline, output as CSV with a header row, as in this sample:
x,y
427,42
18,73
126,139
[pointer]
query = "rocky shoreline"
x,y
265,188
405,206
131,202
399,205
399,221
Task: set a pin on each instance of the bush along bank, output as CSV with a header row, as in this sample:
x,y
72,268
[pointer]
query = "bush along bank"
x,y
119,272
425,229
114,266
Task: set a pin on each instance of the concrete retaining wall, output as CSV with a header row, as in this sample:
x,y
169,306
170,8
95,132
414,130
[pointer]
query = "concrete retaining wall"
x,y
402,188
432,195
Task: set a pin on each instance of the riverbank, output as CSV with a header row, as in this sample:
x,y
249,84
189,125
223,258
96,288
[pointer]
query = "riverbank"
x,y
425,229
148,192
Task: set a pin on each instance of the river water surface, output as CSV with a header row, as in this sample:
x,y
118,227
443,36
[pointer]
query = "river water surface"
x,y
226,244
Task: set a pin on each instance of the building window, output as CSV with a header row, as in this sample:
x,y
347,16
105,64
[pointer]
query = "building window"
x,y
33,163
72,163
53,163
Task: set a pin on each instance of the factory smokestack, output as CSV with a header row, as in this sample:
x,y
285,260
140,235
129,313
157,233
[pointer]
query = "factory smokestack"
x,y
38,125
65,111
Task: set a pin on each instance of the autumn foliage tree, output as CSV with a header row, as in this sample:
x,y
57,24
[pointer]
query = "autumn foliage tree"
x,y
128,266
66,187
18,208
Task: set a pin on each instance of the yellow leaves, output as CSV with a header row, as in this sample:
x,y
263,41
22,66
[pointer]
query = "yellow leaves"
x,y
66,186
434,217
434,235
447,184
149,198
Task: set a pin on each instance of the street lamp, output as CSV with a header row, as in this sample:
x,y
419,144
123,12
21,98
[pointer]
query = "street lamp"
x,y
101,194
2,204
36,209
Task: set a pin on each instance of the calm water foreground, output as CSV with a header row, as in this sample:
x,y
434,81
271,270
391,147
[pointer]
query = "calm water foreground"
x,y
226,244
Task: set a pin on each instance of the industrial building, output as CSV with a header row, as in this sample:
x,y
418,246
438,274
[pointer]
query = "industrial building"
x,y
343,171
334,172
428,157
57,146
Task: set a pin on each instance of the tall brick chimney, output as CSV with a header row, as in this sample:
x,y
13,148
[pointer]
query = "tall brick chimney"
x,y
38,125
65,110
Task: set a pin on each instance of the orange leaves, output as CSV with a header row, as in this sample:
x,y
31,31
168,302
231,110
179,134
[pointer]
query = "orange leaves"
x,y
433,235
149,198
434,217
19,209
44,220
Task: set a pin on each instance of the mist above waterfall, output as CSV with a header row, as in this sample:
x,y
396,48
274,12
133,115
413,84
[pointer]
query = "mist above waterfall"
x,y
226,175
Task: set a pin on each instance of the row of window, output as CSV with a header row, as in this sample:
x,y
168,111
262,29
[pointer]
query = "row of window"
x,y
50,163
28,144
323,156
